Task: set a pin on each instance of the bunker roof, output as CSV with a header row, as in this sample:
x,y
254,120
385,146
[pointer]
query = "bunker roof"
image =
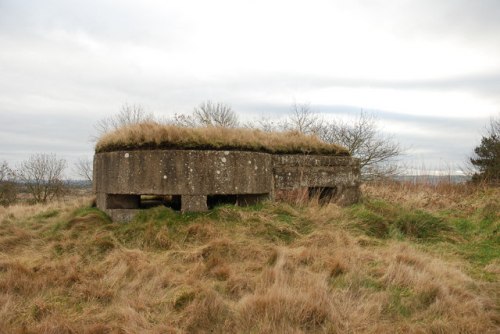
x,y
152,135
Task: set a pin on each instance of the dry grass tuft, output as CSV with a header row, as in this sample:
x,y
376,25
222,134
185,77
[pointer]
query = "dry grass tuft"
x,y
151,135
287,301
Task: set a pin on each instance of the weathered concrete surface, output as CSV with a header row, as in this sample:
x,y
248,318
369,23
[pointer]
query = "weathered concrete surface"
x,y
181,172
247,177
121,215
315,172
194,203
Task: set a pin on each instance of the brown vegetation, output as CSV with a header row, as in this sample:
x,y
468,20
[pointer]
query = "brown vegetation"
x,y
278,267
155,135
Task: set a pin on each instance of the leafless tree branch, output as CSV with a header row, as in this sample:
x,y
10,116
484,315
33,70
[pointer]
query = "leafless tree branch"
x,y
5,172
84,168
128,114
302,119
209,114
364,141
42,175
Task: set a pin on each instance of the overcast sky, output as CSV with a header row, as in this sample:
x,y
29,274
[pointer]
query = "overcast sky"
x,y
429,69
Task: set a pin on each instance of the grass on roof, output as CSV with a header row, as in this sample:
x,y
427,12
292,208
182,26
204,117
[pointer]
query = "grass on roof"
x,y
152,135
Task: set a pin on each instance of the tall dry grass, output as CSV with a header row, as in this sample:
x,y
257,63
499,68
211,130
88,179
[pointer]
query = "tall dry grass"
x,y
156,135
275,268
429,195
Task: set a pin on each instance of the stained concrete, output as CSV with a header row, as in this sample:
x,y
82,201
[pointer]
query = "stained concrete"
x,y
196,176
332,177
181,172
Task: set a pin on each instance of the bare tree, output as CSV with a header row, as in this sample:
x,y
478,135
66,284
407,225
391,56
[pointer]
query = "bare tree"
x,y
494,126
364,141
8,188
185,121
303,119
209,114
84,168
128,114
266,124
42,175
5,172
362,138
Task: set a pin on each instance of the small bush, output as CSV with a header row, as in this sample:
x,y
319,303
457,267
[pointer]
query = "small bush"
x,y
8,193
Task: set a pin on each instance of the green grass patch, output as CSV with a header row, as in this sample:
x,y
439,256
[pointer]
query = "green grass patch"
x,y
481,252
275,232
399,302
384,220
164,215
156,228
47,214
372,284
464,226
86,211
491,211
420,224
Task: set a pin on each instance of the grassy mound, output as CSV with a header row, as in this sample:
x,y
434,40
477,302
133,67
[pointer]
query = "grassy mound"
x,y
151,135
382,266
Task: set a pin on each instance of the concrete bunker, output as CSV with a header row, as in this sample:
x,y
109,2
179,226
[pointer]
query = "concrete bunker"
x,y
128,178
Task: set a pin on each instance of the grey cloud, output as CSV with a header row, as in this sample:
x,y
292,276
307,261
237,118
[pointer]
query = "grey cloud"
x,y
462,18
106,20
24,132
485,84
474,22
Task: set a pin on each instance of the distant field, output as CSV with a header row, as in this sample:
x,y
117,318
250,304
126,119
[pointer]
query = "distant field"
x,y
409,258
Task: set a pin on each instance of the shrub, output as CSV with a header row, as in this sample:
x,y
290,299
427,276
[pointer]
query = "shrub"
x,y
8,187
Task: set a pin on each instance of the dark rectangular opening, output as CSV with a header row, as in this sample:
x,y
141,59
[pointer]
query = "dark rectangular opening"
x,y
240,199
150,201
120,201
214,200
324,195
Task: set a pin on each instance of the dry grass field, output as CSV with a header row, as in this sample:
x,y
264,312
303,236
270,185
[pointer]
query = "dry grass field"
x,y
408,259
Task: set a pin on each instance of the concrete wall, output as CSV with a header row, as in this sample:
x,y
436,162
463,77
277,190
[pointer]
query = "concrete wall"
x,y
332,176
180,172
121,177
